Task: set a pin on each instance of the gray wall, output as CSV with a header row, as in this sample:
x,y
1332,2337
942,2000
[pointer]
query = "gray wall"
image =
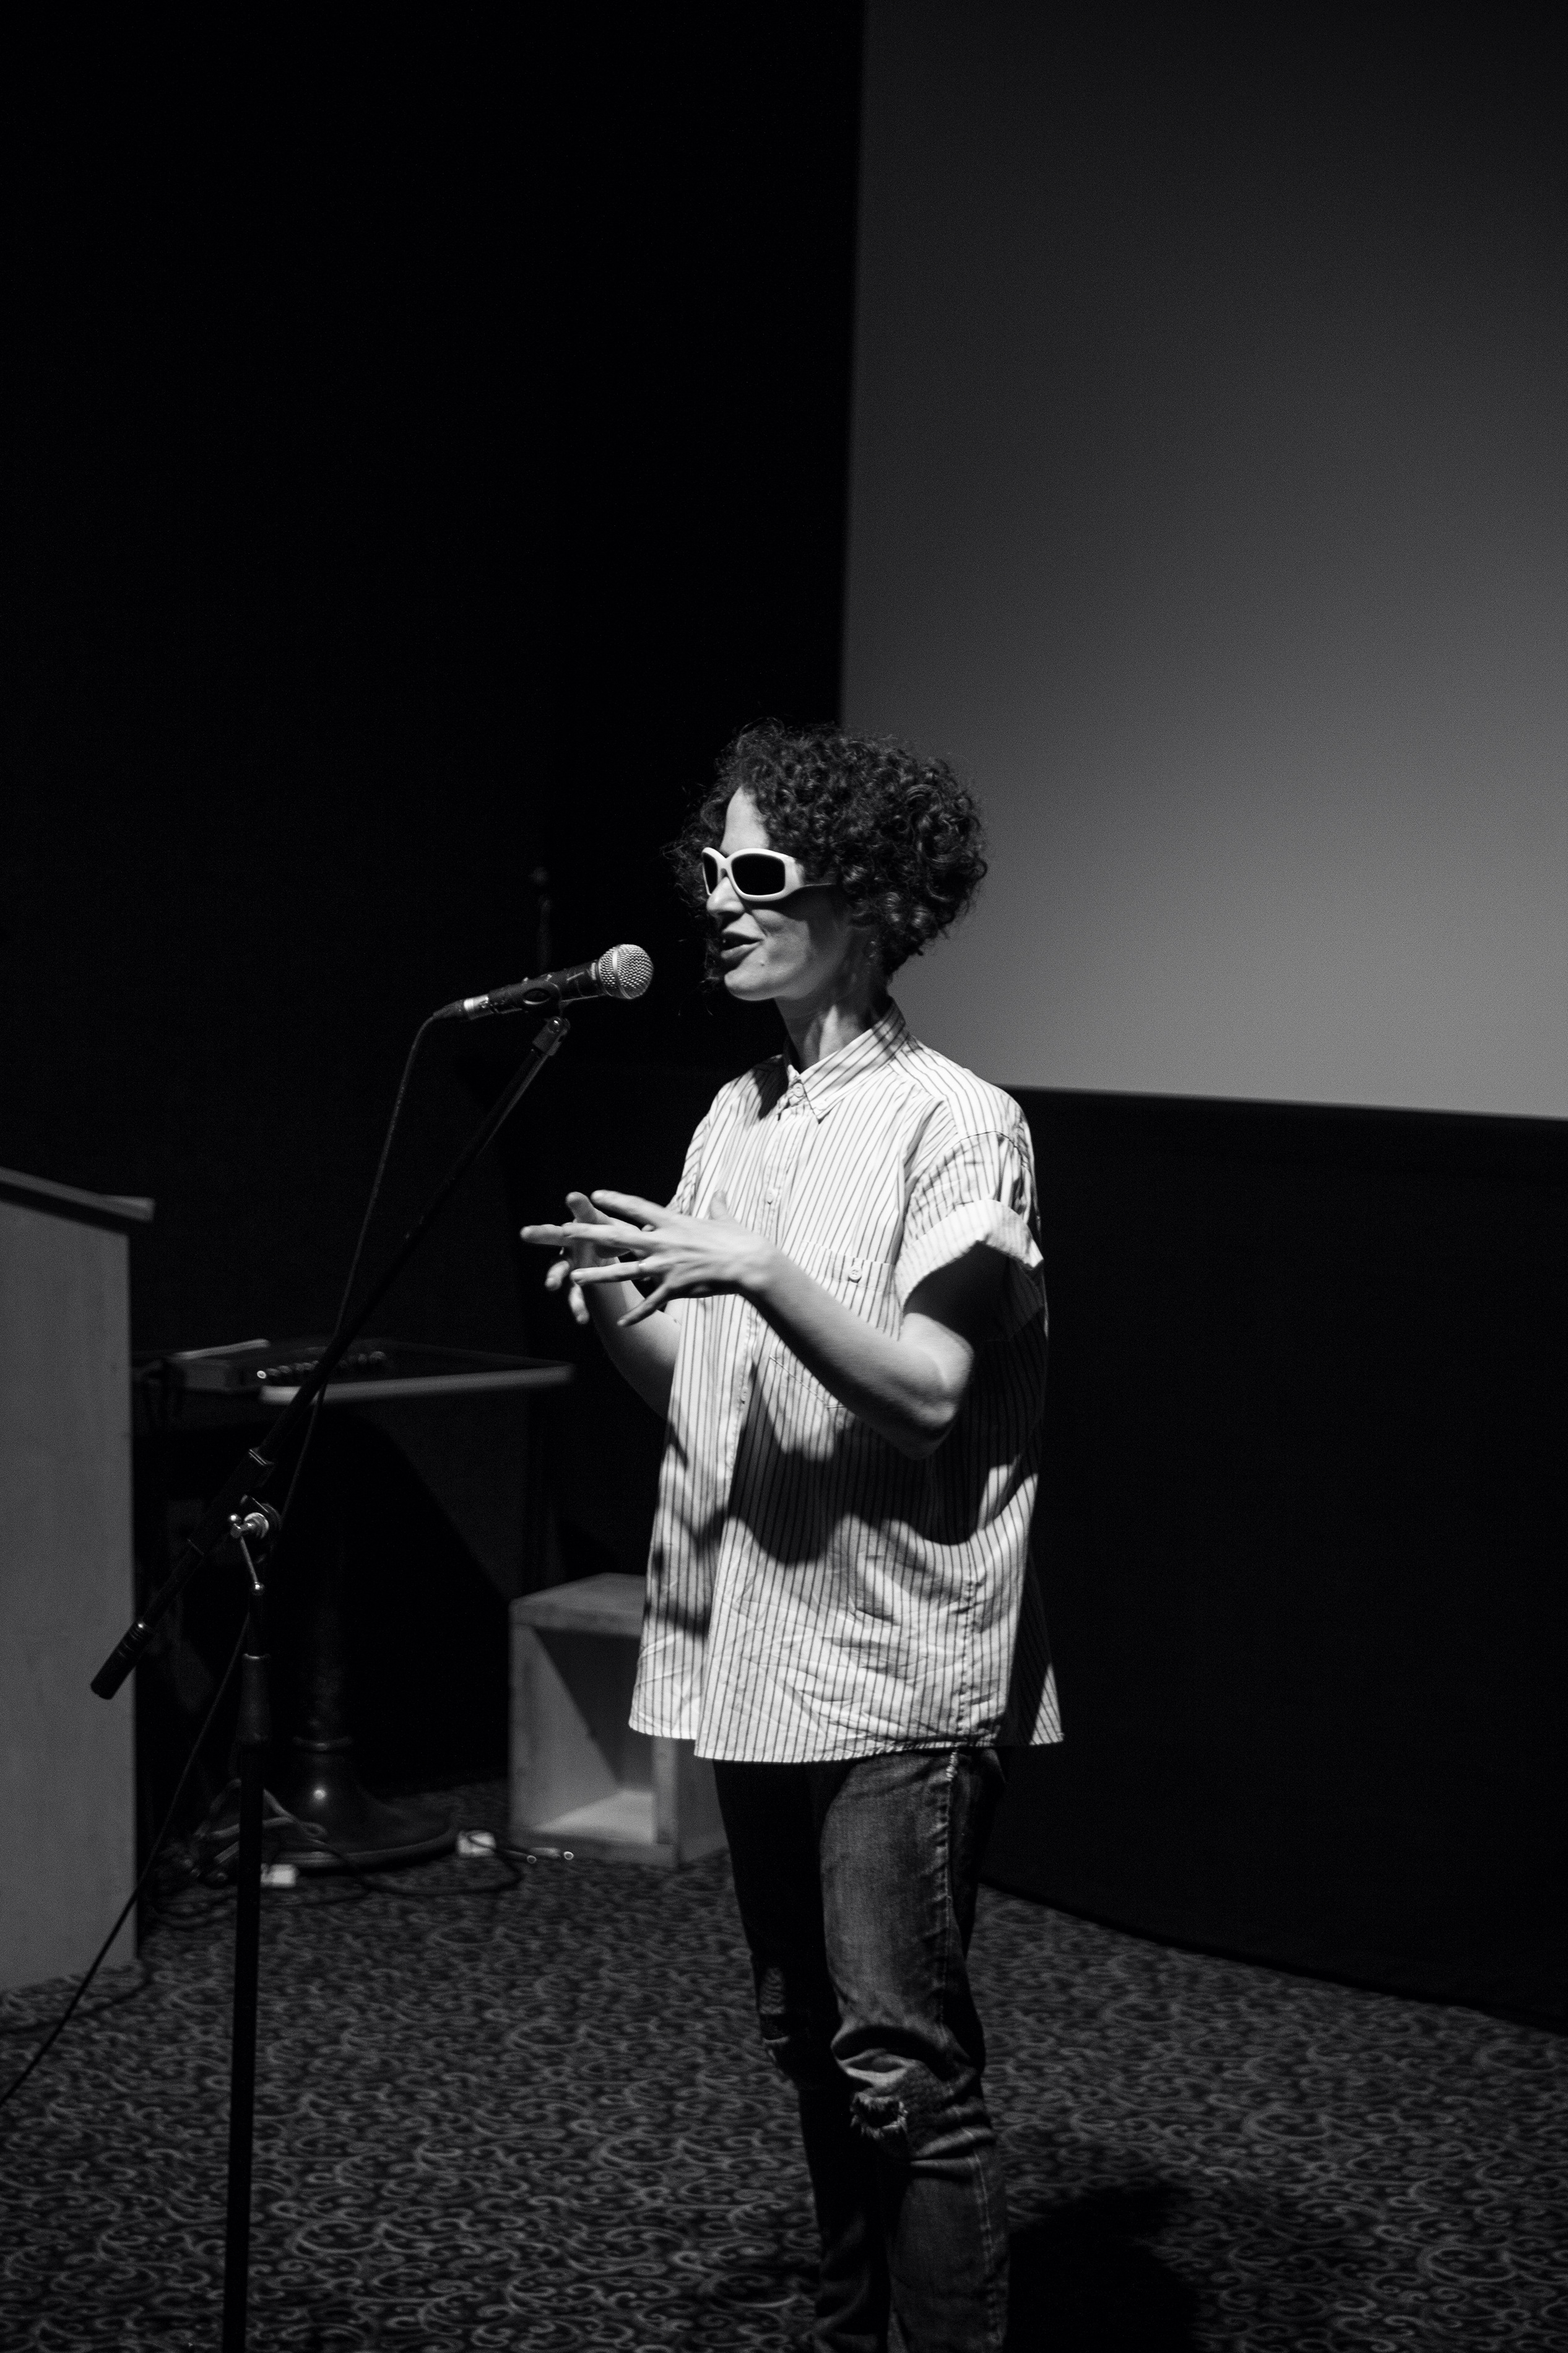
x,y
1209,506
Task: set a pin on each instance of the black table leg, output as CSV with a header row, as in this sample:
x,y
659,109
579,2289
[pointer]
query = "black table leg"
x,y
321,1785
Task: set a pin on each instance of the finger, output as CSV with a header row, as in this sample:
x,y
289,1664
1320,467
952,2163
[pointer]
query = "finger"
x,y
605,1235
644,1309
632,1206
546,1237
614,1272
583,1209
558,1277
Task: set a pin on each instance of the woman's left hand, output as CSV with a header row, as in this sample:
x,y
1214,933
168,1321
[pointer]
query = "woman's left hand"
x,y
684,1258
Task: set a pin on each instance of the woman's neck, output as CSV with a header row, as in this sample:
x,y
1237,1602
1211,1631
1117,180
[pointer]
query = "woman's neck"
x,y
820,1028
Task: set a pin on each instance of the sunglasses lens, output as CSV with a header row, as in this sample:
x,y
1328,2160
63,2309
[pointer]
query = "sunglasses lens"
x,y
758,873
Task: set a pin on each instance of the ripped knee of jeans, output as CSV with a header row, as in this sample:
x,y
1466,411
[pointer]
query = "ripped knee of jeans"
x,y
883,2119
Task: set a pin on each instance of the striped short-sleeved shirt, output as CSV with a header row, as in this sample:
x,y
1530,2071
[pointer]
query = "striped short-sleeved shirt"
x,y
812,1592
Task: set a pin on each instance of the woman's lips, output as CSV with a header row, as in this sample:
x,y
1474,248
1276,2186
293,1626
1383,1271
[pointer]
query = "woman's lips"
x,y
733,950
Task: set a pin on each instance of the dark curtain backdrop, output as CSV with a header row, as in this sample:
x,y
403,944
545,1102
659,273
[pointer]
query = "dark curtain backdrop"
x,y
427,446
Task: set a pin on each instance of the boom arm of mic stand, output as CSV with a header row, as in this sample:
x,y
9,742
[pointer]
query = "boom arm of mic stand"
x,y
250,1475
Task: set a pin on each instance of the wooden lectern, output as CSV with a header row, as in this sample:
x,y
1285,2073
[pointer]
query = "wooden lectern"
x,y
68,1782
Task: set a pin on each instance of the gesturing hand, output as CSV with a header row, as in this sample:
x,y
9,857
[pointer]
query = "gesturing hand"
x,y
573,1254
685,1258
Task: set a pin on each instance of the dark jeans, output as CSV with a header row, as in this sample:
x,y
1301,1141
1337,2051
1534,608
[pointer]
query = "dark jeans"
x,y
857,1886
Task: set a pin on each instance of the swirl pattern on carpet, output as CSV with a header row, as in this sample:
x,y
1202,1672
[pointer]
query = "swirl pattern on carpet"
x,y
532,2112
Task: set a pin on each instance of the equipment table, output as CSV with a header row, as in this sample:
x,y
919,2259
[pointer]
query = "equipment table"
x,y
207,1396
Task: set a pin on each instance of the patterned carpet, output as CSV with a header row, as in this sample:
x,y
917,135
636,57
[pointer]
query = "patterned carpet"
x,y
527,2110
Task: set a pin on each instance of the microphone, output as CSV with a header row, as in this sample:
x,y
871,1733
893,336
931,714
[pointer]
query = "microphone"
x,y
619,972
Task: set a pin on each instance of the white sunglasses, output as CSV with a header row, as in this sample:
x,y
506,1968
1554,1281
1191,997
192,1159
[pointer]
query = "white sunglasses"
x,y
754,875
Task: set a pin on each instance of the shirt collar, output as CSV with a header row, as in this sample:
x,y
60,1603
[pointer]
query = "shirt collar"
x,y
873,1049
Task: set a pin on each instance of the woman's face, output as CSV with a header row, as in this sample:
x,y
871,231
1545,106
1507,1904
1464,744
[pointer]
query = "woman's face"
x,y
798,950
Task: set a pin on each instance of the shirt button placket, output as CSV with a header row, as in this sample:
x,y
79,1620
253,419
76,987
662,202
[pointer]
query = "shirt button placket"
x,y
772,1171
784,1153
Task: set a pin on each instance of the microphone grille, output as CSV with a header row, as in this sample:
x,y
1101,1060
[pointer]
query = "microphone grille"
x,y
626,971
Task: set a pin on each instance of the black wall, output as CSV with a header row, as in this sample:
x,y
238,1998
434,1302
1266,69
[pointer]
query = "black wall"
x,y
427,446
1302,1529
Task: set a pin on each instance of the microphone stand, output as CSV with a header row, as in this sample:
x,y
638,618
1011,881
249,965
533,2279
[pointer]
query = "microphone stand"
x,y
254,1739
235,1524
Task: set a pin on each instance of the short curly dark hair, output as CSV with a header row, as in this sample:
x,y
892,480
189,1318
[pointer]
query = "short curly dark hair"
x,y
900,835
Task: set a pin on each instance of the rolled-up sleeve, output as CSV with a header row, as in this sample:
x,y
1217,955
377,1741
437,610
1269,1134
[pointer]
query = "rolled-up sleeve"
x,y
970,1189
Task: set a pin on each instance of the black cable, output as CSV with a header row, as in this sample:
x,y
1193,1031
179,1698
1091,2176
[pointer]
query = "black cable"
x,y
376,1881
508,1859
373,1879
62,2021
374,1196
429,1021
362,1879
